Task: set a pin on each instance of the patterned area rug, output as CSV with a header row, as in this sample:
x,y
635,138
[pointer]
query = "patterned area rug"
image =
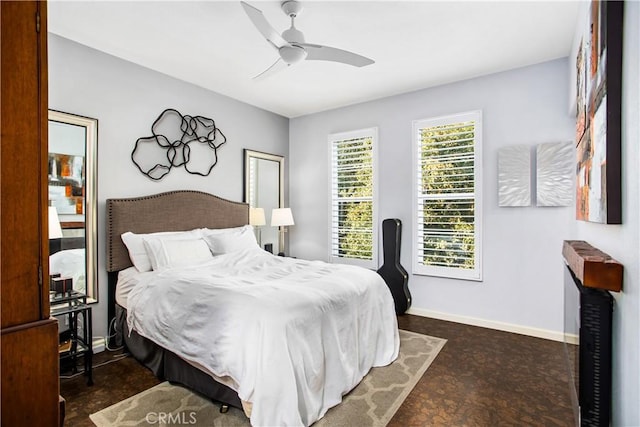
x,y
372,403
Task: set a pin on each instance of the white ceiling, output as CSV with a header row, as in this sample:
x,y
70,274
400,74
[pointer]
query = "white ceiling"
x,y
418,44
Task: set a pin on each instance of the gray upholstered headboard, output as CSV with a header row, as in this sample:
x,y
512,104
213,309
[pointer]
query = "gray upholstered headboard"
x,y
172,211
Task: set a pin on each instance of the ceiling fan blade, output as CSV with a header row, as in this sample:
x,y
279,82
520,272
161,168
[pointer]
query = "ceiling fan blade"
x,y
325,53
277,66
263,26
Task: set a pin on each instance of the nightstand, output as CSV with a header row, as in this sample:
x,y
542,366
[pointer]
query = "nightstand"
x,y
72,306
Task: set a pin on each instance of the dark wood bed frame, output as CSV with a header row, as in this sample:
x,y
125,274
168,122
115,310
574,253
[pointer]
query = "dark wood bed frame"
x,y
171,211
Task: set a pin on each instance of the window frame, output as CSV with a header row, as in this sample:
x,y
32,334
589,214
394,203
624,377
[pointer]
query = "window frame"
x,y
372,133
418,268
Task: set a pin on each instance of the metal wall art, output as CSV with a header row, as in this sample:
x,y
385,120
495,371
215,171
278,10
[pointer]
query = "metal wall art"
x,y
178,140
514,176
555,173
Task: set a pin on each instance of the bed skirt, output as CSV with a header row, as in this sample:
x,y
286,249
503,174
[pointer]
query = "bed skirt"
x,y
167,366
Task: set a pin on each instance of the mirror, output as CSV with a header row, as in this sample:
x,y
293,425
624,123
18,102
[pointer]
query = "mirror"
x,y
264,188
73,224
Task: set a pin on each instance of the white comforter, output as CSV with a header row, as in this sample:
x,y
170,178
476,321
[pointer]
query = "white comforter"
x,y
70,263
293,335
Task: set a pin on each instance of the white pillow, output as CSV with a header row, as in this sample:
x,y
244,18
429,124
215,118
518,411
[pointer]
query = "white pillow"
x,y
176,253
216,231
137,251
231,241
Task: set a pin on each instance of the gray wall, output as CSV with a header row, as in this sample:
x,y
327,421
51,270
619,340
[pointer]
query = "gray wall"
x,y
521,246
622,242
126,99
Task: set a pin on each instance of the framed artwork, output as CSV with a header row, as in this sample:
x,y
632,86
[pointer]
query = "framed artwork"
x,y
66,182
581,87
598,115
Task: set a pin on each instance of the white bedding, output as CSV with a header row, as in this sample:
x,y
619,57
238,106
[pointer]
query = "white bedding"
x,y
293,335
70,263
127,280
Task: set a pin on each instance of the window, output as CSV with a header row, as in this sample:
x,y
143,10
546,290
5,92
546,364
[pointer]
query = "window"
x,y
447,165
353,230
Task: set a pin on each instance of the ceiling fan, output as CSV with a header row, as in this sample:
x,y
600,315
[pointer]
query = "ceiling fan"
x,y
291,44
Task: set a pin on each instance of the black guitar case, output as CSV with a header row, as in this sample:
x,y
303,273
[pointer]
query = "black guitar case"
x,y
391,271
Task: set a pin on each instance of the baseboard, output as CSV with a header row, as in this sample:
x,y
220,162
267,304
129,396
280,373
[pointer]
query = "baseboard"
x,y
499,326
98,345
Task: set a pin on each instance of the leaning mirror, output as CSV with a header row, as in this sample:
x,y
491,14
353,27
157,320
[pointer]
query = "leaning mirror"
x,y
72,204
264,188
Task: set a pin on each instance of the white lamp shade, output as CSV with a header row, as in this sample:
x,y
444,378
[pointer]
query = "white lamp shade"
x,y
256,216
55,231
281,217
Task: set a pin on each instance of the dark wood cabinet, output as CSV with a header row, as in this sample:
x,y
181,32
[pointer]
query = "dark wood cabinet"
x,y
29,340
30,384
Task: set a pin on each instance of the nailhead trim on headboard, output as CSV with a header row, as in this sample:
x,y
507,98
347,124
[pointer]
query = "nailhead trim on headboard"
x,y
171,211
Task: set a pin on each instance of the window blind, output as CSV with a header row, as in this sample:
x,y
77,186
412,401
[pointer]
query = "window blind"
x,y
447,175
353,236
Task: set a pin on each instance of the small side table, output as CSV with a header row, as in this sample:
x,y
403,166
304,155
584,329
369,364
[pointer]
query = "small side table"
x,y
74,306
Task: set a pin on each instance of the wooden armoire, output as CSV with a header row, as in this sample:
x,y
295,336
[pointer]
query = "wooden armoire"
x,y
29,340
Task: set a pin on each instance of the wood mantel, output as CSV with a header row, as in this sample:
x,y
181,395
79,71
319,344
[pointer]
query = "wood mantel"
x,y
594,268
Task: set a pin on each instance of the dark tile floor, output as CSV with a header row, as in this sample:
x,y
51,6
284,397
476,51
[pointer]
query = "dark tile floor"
x,y
484,377
480,378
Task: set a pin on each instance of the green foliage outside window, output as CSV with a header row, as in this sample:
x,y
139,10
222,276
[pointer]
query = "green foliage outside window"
x,y
353,167
448,208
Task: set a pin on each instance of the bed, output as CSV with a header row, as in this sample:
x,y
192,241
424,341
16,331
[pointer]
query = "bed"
x,y
68,259
281,338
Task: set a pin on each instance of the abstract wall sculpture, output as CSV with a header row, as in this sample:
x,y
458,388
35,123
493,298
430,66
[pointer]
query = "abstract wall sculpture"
x,y
514,176
191,142
598,111
555,173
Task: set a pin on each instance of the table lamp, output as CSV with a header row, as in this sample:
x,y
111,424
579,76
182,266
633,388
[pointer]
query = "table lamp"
x,y
256,218
55,231
282,218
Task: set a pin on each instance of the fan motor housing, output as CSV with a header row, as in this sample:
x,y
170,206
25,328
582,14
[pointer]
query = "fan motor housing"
x,y
293,35
292,54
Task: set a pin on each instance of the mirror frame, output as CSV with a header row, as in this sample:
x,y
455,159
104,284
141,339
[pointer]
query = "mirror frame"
x,y
90,195
248,155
